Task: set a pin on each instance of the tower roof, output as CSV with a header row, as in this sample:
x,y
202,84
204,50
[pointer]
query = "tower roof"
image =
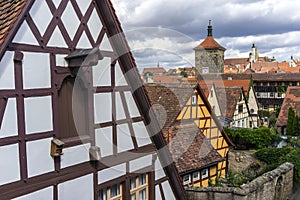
x,y
209,42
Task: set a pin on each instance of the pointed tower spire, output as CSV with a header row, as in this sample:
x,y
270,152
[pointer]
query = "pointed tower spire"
x,y
209,29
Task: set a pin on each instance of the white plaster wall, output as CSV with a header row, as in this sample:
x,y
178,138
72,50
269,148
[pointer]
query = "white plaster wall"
x,y
168,191
7,77
124,138
9,165
60,60
252,103
38,114
94,23
157,193
141,134
79,188
212,99
104,141
102,73
83,5
140,163
120,112
39,160
84,42
159,171
9,125
75,155
25,36
57,40
132,107
111,173
70,20
41,15
103,107
105,45
36,70
44,194
120,79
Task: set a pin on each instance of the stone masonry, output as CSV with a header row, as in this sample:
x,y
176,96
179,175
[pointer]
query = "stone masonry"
x,y
273,185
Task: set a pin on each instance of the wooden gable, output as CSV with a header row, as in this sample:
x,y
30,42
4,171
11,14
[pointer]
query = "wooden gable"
x,y
62,78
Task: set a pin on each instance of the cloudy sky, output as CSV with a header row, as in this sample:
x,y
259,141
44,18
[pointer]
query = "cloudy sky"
x,y
166,31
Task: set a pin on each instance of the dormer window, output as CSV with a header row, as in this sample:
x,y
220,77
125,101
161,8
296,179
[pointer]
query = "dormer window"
x,y
194,100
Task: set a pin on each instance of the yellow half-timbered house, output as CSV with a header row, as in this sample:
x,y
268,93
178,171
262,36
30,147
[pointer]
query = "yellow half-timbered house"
x,y
184,108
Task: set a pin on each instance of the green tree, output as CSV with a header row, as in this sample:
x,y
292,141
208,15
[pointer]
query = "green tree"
x,y
291,122
184,74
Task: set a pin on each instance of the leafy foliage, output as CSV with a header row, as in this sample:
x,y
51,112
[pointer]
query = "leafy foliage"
x,y
292,127
184,74
277,156
253,138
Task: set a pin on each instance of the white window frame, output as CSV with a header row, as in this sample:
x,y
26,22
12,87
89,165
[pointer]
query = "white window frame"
x,y
185,182
204,173
196,176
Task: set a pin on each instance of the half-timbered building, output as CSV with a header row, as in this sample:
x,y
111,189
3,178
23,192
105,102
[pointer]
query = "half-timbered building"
x,y
183,111
75,121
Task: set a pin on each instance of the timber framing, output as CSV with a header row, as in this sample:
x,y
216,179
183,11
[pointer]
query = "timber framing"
x,y
120,54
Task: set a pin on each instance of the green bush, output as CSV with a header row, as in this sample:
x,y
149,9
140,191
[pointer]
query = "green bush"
x,y
253,138
293,157
277,156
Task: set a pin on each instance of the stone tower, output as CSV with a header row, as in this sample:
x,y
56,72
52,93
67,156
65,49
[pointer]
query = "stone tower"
x,y
209,55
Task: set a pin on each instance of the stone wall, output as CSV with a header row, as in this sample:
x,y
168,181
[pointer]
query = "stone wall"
x,y
213,59
273,185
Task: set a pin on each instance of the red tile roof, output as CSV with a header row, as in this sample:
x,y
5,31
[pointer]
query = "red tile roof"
x,y
154,70
292,99
210,43
9,10
167,79
285,66
245,84
170,98
190,149
236,61
255,77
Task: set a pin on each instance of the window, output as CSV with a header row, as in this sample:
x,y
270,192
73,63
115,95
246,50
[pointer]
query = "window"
x,y
257,94
240,108
194,100
204,173
278,95
73,112
272,94
264,95
139,187
211,93
196,176
111,193
266,107
186,179
205,70
265,83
